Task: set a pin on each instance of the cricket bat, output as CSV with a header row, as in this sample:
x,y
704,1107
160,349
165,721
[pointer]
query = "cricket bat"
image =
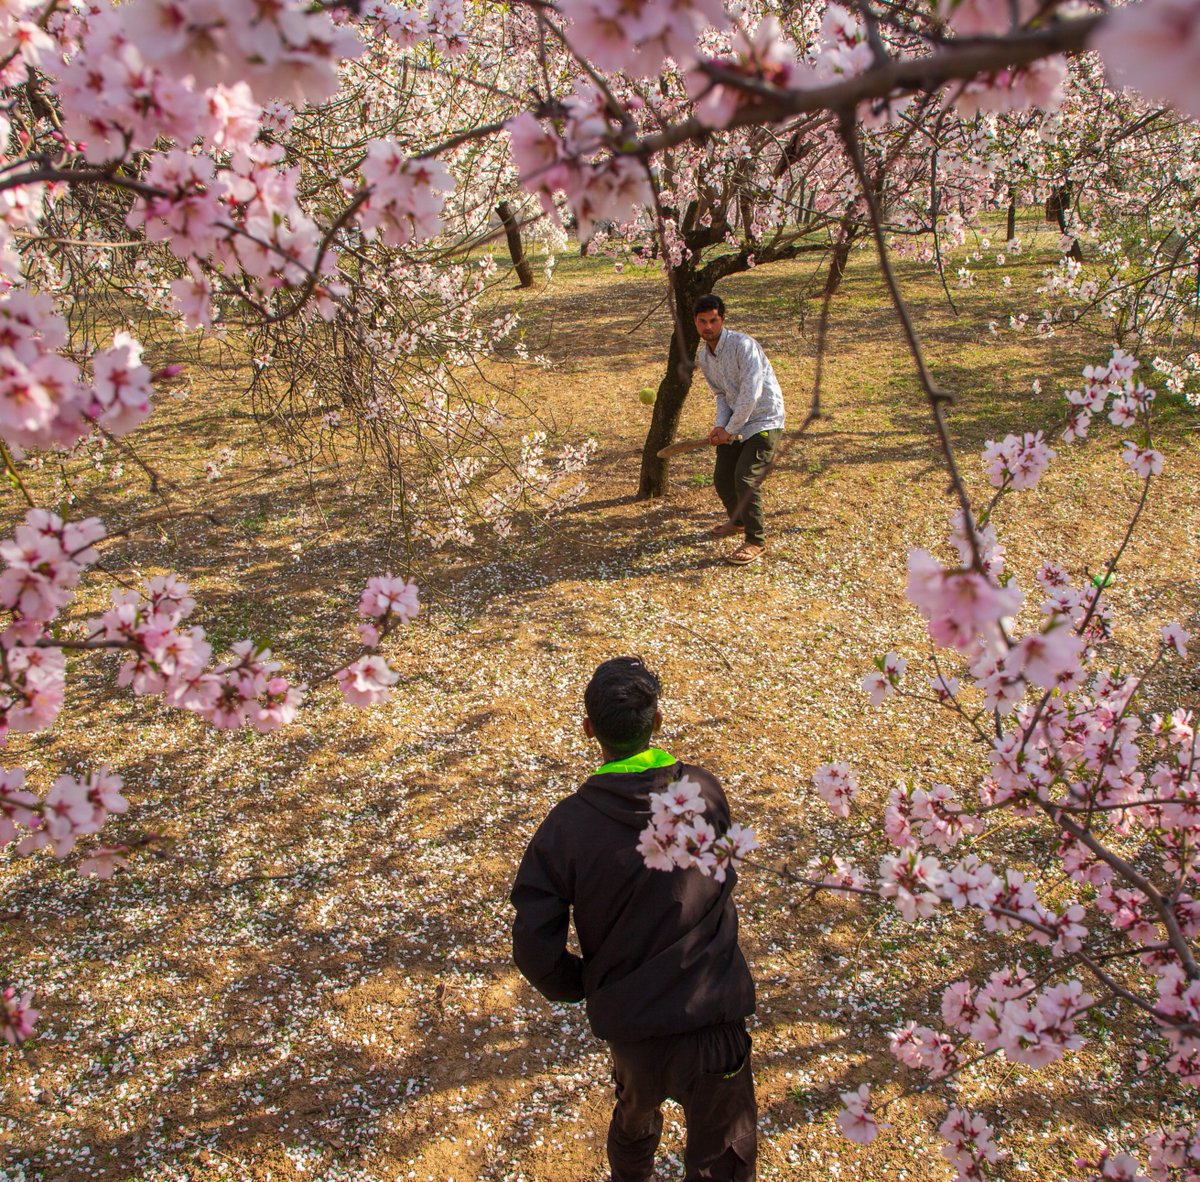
x,y
685,445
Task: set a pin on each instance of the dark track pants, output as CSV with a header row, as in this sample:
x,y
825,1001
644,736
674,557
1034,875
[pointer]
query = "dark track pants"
x,y
739,469
708,1072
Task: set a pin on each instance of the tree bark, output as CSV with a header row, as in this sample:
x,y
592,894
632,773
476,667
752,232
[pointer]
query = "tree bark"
x,y
516,248
686,287
1057,205
1012,215
839,260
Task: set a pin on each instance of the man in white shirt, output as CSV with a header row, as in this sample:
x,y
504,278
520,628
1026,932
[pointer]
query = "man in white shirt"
x,y
749,421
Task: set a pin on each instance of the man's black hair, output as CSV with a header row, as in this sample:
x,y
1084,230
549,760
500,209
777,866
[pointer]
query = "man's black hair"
x,y
621,701
709,303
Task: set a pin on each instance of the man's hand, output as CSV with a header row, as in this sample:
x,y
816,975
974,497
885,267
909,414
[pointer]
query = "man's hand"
x,y
719,435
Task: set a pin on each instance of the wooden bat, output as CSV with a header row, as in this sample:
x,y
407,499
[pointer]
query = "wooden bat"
x,y
685,445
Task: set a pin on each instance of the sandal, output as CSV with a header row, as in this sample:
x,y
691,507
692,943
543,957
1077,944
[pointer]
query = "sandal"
x,y
725,529
746,552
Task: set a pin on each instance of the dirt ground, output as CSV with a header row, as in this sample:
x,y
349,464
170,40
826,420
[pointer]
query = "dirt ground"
x,y
317,985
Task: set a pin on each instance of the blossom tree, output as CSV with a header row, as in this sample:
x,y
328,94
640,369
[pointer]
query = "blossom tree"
x,y
151,114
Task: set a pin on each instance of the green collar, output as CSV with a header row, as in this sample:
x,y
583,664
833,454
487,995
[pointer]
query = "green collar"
x,y
643,761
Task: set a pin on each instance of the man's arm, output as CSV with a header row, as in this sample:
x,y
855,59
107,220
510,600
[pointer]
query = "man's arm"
x,y
746,396
540,930
722,411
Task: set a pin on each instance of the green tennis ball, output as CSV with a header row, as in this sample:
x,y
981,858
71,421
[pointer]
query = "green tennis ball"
x,y
647,395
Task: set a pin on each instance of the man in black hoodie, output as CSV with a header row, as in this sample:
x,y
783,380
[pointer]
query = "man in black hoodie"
x,y
662,974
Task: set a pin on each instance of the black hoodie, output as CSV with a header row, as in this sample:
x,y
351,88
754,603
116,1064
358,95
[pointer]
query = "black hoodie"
x,y
660,950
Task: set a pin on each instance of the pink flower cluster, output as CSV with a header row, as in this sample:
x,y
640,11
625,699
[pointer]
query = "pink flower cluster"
x,y
679,835
169,660
407,195
597,186
986,18
766,57
938,815
44,400
281,49
386,603
963,608
923,1047
1009,1014
1018,461
636,37
1131,403
1174,1155
1040,84
969,1146
72,808
836,784
911,881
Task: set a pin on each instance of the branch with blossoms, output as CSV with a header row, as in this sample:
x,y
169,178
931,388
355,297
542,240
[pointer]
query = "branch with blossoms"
x,y
1121,801
44,562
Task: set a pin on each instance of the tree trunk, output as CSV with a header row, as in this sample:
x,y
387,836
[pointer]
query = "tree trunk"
x,y
673,390
1012,215
839,260
1057,205
515,246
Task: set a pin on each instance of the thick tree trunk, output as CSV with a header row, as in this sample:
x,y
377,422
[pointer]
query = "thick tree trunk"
x,y
1012,215
838,262
1057,205
673,389
516,247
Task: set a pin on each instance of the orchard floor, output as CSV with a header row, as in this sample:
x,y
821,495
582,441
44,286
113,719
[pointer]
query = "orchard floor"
x,y
317,985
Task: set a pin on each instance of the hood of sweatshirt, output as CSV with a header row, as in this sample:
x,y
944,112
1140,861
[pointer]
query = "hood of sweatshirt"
x,y
625,796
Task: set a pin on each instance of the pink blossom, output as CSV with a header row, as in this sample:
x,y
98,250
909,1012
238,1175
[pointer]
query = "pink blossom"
x,y
969,1143
730,848
1052,658
958,1006
681,798
1173,636
104,861
611,190
910,881
68,813
15,802
278,705
367,680
944,688
837,785
385,595
1017,462
961,607
886,679
121,385
656,844
17,1015
968,881
407,194
856,1120
1144,461
193,295
1155,47
972,18
766,57
944,823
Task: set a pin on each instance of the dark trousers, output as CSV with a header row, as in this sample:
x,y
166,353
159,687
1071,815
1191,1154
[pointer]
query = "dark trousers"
x,y
739,469
708,1072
